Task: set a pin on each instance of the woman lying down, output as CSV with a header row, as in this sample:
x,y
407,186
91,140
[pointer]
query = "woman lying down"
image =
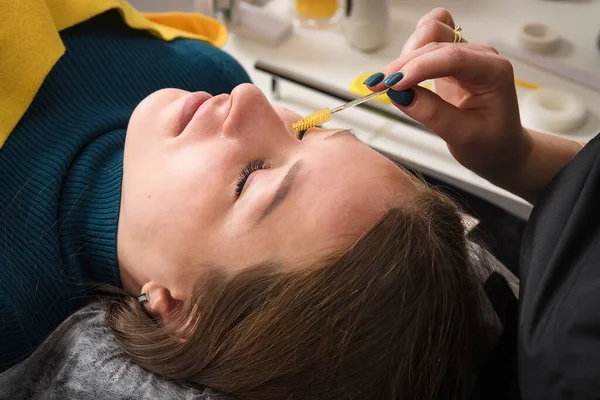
x,y
242,258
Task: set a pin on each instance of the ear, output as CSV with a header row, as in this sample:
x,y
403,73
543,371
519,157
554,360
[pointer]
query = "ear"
x,y
161,302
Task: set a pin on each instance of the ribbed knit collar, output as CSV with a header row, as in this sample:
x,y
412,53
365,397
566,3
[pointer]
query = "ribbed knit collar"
x,y
89,210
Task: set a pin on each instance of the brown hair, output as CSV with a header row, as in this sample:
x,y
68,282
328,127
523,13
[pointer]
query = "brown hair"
x,y
398,315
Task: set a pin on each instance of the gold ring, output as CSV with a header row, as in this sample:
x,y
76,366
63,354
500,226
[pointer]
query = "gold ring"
x,y
457,34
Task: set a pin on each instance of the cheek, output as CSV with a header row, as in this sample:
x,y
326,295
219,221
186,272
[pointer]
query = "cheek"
x,y
193,183
177,193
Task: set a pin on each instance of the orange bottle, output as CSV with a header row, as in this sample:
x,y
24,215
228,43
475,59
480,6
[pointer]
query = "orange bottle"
x,y
316,13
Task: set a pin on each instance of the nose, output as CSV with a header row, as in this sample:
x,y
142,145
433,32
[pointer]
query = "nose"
x,y
250,93
252,117
247,96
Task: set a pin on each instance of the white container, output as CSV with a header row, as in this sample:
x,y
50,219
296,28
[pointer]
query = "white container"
x,y
248,19
366,23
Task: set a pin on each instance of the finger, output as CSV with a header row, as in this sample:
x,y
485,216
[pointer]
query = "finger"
x,y
430,110
465,64
439,14
398,63
428,31
469,62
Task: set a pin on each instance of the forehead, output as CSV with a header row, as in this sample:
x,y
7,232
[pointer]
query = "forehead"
x,y
339,195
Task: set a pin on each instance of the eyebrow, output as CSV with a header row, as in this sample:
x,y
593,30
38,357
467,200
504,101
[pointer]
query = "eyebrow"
x,y
283,190
286,183
341,132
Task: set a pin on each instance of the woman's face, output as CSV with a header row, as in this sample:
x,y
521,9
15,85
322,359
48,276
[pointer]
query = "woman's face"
x,y
222,182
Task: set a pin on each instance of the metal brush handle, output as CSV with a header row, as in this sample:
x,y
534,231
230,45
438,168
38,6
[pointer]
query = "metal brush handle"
x,y
358,101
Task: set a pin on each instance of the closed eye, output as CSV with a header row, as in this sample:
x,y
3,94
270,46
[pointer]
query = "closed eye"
x,y
245,173
301,133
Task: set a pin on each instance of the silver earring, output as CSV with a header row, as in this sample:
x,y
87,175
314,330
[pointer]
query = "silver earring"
x,y
144,297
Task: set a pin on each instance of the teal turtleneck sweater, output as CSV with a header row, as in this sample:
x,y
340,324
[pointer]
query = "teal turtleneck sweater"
x,y
61,168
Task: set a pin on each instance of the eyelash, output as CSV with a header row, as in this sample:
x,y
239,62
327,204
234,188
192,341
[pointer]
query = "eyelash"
x,y
254,166
245,173
301,133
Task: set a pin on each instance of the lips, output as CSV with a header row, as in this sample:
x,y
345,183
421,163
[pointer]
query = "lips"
x,y
190,106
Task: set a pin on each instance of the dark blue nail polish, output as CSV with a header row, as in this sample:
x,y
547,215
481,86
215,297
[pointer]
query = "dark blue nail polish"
x,y
404,97
393,79
374,79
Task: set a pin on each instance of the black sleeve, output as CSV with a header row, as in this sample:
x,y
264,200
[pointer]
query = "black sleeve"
x,y
559,321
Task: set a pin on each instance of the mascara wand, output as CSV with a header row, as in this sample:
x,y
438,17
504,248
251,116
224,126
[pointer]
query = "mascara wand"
x,y
319,117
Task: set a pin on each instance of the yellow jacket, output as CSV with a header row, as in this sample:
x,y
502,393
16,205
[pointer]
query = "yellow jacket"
x,y
30,43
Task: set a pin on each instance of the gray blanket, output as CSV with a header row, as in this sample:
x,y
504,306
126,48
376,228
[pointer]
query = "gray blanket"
x,y
81,360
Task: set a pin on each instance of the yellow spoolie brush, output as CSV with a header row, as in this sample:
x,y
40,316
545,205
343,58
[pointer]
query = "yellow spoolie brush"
x,y
320,117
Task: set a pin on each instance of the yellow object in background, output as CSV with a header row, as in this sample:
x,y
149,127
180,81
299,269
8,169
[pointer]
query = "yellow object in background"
x,y
316,14
316,9
526,85
360,89
427,85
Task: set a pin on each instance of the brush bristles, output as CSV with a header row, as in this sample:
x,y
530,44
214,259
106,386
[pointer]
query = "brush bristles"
x,y
310,121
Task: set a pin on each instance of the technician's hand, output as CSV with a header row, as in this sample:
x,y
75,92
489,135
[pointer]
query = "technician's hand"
x,y
474,107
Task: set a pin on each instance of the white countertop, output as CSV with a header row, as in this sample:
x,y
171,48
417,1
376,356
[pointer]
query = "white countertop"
x,y
325,55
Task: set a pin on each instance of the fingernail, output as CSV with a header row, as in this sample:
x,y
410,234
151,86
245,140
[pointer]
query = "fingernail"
x,y
393,79
403,97
374,79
